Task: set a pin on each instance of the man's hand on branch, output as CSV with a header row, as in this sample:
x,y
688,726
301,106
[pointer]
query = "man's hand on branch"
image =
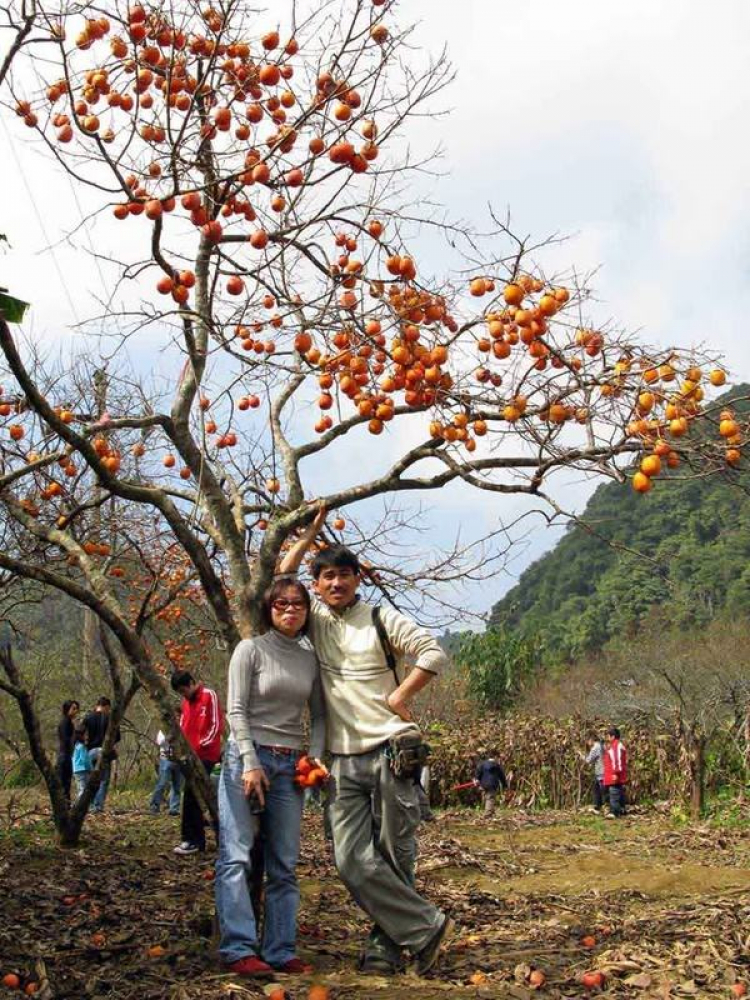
x,y
317,524
292,561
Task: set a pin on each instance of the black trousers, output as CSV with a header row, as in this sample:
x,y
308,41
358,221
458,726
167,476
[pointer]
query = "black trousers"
x,y
65,773
193,827
599,793
617,800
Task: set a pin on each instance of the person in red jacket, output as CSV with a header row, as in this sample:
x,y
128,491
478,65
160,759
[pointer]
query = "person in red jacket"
x,y
615,773
201,722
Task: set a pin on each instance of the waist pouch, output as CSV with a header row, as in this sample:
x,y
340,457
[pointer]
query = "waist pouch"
x,y
407,755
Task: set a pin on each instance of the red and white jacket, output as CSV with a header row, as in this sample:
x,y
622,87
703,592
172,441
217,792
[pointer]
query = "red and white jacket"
x,y
615,764
202,722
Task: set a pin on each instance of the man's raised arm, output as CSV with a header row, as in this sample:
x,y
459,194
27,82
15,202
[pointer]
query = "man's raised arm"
x,y
292,560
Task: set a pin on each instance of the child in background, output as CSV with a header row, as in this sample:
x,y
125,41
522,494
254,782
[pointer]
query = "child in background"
x,y
81,763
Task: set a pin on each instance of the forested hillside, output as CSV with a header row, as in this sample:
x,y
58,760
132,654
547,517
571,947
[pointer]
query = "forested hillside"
x,y
685,545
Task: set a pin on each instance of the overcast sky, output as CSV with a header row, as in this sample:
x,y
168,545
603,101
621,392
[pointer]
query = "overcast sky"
x,y
624,125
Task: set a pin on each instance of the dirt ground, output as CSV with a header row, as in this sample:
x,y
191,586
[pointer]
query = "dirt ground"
x,y
664,909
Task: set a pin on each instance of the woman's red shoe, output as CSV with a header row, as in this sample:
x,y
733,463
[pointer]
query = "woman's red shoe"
x,y
251,965
295,967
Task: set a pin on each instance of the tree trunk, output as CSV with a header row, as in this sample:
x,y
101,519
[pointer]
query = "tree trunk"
x,y
90,621
697,758
68,819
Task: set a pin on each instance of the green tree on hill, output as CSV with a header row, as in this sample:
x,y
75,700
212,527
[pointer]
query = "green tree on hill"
x,y
685,549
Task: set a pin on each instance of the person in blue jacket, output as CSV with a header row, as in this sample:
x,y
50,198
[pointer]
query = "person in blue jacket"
x,y
490,777
81,762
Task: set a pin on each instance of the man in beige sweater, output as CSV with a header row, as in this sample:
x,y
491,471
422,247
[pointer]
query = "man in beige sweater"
x,y
373,802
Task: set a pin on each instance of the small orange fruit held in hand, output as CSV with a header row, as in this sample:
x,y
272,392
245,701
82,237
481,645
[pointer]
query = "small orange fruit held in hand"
x,y
304,766
11,980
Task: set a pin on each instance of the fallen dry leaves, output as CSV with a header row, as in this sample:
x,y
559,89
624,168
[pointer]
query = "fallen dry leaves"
x,y
123,919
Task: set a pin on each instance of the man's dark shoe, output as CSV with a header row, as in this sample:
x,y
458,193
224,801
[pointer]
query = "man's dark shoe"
x,y
377,965
427,957
251,966
295,967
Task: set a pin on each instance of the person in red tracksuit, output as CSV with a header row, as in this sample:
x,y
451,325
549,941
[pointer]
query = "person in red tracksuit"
x,y
202,723
615,773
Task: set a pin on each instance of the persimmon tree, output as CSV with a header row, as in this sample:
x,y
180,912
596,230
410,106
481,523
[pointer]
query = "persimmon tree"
x,y
259,167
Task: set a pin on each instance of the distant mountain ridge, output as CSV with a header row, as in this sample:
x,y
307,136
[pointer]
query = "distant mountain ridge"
x,y
689,549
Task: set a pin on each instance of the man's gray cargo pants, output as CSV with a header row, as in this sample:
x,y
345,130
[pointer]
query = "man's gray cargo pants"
x,y
374,818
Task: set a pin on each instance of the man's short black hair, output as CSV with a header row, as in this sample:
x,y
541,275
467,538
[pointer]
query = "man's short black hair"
x,y
614,732
181,679
103,702
335,555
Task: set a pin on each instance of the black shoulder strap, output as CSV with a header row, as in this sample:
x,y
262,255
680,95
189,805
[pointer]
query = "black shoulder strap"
x,y
385,642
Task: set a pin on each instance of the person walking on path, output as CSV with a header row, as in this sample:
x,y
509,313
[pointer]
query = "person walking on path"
x,y
201,722
615,773
273,680
595,758
170,777
377,752
65,744
490,777
81,764
95,725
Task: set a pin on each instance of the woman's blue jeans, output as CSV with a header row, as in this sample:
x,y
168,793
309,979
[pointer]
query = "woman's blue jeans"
x,y
280,824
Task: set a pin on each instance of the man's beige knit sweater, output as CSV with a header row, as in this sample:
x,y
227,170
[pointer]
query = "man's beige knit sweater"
x,y
355,674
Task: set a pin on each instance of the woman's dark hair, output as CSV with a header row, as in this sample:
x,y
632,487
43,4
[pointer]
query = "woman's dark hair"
x,y
279,585
67,705
335,555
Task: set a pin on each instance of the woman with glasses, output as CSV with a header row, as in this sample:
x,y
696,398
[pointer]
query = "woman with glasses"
x,y
273,679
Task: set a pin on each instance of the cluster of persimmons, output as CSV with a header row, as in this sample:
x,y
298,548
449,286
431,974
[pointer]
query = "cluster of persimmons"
x,y
154,100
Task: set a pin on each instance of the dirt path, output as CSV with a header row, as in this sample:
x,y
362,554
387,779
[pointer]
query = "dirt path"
x,y
668,910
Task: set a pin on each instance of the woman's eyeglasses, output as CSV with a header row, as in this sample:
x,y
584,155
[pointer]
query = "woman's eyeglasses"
x,y
282,605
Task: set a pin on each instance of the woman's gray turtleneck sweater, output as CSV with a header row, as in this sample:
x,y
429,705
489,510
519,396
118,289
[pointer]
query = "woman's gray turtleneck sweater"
x,y
271,680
